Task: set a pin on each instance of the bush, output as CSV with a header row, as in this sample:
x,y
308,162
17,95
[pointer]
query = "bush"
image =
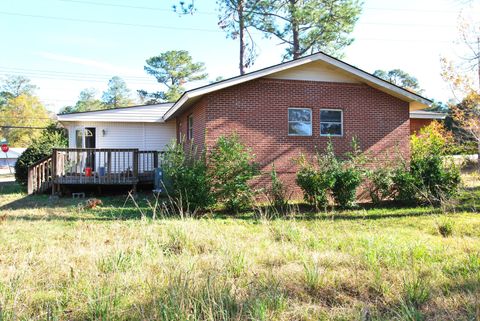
x,y
405,185
277,193
445,226
186,179
329,175
430,179
316,179
52,137
231,166
380,183
347,180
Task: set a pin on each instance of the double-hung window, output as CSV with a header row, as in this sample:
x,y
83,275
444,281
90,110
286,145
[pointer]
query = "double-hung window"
x,y
331,122
299,121
190,127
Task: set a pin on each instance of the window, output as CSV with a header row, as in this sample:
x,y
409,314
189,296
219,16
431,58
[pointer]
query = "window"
x,y
299,122
190,127
331,122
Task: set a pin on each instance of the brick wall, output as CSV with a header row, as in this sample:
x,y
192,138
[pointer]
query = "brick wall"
x,y
417,124
199,125
258,112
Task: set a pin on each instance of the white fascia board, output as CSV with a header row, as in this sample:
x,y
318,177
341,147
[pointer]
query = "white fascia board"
x,y
427,115
408,96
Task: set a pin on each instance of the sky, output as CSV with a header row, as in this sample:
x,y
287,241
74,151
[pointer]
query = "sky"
x,y
65,46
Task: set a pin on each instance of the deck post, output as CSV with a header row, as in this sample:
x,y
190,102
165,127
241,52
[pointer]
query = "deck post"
x,y
30,181
54,169
155,159
135,163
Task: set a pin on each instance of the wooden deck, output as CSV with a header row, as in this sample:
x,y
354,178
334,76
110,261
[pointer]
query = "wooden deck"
x,y
89,166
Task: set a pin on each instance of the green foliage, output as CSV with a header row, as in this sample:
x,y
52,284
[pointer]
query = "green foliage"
x,y
307,26
87,101
19,107
445,226
186,179
399,78
51,138
117,93
379,183
316,178
405,185
331,175
236,17
430,179
277,193
231,167
437,179
172,69
14,86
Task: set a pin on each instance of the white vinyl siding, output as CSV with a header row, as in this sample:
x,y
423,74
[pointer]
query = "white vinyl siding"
x,y
144,136
331,122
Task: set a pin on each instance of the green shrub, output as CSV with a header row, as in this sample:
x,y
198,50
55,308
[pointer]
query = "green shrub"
x,y
186,179
316,178
429,178
347,180
330,175
52,137
445,226
231,167
405,185
380,183
277,193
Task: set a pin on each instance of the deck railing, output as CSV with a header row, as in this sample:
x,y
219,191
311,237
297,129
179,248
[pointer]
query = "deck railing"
x,y
107,166
40,176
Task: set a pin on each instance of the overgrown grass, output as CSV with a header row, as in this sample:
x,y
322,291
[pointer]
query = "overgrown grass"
x,y
59,261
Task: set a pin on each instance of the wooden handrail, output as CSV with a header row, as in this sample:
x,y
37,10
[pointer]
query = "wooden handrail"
x,y
107,166
40,161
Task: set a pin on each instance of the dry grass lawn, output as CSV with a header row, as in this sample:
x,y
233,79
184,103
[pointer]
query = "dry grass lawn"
x,y
60,262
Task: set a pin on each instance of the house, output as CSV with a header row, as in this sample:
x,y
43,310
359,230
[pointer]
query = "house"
x,y
141,127
280,112
423,118
297,107
10,158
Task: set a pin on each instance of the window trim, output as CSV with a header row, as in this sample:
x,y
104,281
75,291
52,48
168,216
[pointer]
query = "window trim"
x,y
331,122
189,127
296,121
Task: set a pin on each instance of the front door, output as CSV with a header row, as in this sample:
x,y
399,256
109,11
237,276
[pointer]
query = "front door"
x,y
90,142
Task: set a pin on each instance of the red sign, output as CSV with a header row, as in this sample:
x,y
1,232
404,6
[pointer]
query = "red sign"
x,y
5,148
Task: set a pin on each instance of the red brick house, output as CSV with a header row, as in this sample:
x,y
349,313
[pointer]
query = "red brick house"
x,y
296,107
280,112
423,118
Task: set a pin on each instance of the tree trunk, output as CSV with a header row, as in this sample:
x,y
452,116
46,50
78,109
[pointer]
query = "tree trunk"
x,y
295,31
241,27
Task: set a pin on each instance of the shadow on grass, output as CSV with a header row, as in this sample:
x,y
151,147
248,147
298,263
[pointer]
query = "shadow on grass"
x,y
121,208
8,188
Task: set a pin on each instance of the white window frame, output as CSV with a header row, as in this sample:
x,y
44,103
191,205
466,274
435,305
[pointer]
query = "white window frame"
x,y
296,121
189,127
341,122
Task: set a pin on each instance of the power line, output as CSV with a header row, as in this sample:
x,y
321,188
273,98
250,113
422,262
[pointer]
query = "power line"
x,y
22,127
110,4
71,73
106,4
175,28
105,22
26,118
